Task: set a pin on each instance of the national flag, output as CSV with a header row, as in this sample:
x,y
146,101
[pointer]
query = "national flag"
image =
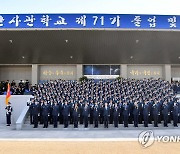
x,y
8,95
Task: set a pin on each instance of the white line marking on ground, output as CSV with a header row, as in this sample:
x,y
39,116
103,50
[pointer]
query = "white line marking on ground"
x,y
69,139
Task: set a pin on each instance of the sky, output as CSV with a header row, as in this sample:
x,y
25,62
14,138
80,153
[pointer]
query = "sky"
x,y
162,7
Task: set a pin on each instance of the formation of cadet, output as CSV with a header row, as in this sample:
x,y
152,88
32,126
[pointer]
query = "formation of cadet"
x,y
125,101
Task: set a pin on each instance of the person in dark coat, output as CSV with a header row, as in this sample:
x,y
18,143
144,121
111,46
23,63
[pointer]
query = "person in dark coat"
x,y
35,113
101,119
111,106
30,104
146,114
96,115
116,115
55,113
156,111
106,114
136,113
91,107
141,106
9,110
165,112
65,114
125,114
45,114
61,104
175,114
85,114
75,115
81,107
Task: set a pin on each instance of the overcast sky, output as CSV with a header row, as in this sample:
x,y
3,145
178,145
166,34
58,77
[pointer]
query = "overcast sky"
x,y
169,7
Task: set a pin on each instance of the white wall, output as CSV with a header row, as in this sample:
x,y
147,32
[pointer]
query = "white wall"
x,y
15,72
175,71
18,102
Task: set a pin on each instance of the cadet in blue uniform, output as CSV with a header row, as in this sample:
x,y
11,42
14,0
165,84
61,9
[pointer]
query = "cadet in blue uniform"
x,y
136,112
91,108
96,115
35,112
101,119
116,115
75,115
165,113
8,114
175,114
30,104
146,114
45,113
106,115
111,111
85,114
65,114
156,111
55,114
125,114
81,107
140,106
61,104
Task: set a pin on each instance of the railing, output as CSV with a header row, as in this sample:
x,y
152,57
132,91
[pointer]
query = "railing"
x,y
22,118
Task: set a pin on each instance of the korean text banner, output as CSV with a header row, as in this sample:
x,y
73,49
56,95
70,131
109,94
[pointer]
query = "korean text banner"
x,y
93,21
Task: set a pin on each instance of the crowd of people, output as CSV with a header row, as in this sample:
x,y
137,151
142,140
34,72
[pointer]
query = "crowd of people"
x,y
126,101
16,89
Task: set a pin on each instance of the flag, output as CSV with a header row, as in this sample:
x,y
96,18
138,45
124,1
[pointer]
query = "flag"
x,y
8,95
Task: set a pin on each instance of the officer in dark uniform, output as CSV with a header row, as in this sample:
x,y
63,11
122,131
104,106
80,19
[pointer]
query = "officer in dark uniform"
x,y
65,114
55,113
35,113
75,115
156,111
50,105
116,115
85,114
146,114
106,115
96,115
175,114
111,111
81,107
45,114
30,104
165,112
71,107
91,108
8,114
140,106
101,112
120,112
136,113
125,114
61,104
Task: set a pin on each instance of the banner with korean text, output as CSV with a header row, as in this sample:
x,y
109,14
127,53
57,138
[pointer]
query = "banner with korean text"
x,y
92,21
